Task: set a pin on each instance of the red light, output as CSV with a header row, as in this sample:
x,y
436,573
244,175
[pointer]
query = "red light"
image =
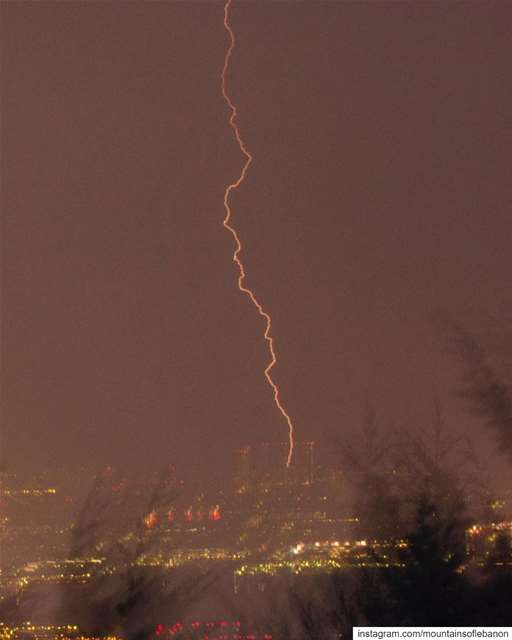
x,y
150,520
159,629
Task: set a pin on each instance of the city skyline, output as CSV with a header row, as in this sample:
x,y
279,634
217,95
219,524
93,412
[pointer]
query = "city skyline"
x,y
256,318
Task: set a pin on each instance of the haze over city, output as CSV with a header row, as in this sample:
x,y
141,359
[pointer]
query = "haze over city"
x,y
365,174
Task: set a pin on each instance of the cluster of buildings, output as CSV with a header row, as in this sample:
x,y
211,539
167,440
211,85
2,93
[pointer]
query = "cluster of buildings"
x,y
267,522
490,543
30,631
208,630
192,630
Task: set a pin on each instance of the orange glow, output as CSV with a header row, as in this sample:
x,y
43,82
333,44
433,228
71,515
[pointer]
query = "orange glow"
x,y
238,244
150,520
215,513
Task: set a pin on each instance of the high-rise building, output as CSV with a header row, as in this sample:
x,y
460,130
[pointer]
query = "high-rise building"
x,y
264,463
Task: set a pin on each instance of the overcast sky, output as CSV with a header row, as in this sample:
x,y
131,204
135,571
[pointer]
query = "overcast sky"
x,y
379,194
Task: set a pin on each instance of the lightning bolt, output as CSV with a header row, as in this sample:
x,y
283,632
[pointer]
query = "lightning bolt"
x,y
238,245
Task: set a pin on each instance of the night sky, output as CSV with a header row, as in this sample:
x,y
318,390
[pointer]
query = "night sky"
x,y
379,196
